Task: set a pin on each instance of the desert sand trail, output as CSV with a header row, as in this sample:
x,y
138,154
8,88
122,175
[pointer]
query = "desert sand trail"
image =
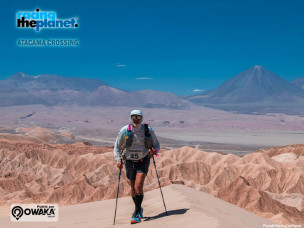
x,y
186,208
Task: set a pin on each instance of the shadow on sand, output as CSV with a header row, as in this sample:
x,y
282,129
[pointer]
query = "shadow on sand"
x,y
172,212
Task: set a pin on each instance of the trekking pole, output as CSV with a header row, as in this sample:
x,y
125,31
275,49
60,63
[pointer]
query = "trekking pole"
x,y
117,193
159,185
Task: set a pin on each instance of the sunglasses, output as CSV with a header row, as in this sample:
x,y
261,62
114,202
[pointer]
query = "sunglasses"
x,y
136,117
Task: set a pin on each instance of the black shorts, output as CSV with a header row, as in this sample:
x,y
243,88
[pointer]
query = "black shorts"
x,y
133,167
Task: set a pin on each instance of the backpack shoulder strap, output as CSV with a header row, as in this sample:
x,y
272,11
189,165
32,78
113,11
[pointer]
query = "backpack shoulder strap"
x,y
129,136
147,131
130,129
148,138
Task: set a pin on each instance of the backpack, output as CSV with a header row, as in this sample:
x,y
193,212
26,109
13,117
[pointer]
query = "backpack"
x,y
148,139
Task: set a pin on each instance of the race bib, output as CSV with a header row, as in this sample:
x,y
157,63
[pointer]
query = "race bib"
x,y
134,154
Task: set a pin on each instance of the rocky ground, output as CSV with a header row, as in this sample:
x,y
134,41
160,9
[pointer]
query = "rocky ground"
x,y
269,183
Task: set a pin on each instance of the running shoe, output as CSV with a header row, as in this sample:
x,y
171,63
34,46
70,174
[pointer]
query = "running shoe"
x,y
135,220
140,214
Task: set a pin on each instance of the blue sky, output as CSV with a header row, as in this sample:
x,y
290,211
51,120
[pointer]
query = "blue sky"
x,y
174,46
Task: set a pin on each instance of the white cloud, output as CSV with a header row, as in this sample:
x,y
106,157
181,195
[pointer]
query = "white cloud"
x,y
121,65
198,90
144,78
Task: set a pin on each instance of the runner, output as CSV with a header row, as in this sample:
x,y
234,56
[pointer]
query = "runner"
x,y
139,145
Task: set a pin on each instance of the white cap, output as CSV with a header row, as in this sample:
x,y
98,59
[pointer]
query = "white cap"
x,y
136,112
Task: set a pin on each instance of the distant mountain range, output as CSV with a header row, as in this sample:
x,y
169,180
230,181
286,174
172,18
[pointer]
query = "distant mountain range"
x,y
23,89
254,90
22,81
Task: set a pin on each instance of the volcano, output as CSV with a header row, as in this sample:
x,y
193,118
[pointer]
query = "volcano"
x,y
255,88
298,82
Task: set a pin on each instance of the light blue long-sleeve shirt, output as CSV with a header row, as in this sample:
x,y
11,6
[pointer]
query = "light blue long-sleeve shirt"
x,y
138,146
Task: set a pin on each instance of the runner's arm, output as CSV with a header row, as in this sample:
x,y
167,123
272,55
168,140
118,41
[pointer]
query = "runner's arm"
x,y
119,145
156,145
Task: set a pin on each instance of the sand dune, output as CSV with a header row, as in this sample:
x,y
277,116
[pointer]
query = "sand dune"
x,y
261,182
186,208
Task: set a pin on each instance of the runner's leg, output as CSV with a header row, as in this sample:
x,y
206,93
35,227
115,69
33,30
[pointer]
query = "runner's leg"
x,y
139,183
133,193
